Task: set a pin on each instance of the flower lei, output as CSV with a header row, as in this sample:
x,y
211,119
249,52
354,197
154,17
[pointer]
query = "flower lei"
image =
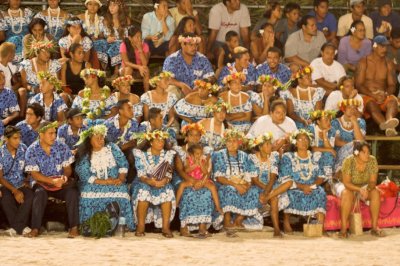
x,y
347,102
189,39
87,92
301,132
270,79
315,115
96,30
51,125
193,126
94,130
165,74
36,46
127,78
218,106
92,71
233,134
254,142
71,22
303,71
53,80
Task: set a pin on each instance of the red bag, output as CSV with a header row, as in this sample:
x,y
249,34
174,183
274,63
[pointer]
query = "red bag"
x,y
388,189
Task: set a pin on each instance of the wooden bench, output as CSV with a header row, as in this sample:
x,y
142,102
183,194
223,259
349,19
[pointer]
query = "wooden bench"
x,y
374,148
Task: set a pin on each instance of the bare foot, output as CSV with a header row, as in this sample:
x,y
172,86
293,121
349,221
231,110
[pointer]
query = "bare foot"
x,y
278,234
287,229
73,232
185,232
34,233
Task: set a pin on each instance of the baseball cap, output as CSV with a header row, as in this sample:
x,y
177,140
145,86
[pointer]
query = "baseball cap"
x,y
353,2
74,112
381,40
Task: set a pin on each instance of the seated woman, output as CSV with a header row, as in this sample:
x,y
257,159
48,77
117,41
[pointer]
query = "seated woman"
x,y
269,87
160,98
348,127
30,126
36,34
54,106
354,46
102,170
264,39
197,206
16,199
303,98
192,108
187,24
233,171
157,28
153,197
135,56
360,174
299,172
14,26
183,9
55,19
95,101
123,87
74,33
71,69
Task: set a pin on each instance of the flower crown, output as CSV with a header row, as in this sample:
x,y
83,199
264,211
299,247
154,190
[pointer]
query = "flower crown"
x,y
72,22
302,131
347,102
156,134
303,71
36,46
53,80
254,142
189,39
218,106
51,125
270,79
127,78
94,130
233,76
165,74
233,134
193,126
92,71
212,88
315,115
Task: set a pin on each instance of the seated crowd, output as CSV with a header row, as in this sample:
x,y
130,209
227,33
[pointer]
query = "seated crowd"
x,y
234,122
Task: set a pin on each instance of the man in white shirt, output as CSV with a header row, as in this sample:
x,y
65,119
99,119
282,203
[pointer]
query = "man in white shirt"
x,y
326,70
357,8
7,53
226,16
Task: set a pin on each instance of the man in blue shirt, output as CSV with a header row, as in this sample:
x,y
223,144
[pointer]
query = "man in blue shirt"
x,y
9,108
69,133
272,66
326,21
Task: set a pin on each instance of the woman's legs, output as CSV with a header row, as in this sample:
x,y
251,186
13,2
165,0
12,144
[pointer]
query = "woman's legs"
x,y
203,229
375,204
346,205
141,217
166,215
227,220
275,216
214,193
287,228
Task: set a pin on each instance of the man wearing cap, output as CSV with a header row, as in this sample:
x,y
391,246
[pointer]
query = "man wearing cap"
x,y
375,78
357,8
69,133
384,19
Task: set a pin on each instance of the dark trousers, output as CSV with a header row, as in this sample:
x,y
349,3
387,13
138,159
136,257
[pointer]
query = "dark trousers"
x,y
160,50
17,214
71,197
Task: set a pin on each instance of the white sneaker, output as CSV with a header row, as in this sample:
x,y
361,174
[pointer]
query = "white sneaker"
x,y
10,232
26,230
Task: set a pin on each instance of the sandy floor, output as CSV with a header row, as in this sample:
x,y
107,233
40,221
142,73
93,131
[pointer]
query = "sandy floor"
x,y
250,248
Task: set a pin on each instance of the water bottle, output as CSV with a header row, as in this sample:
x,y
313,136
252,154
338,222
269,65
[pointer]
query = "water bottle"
x,y
120,232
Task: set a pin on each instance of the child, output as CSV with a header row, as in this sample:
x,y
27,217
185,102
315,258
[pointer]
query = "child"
x,y
198,166
69,133
225,53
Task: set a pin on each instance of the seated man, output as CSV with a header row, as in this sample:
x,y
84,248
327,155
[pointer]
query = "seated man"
x,y
326,21
9,108
375,78
357,8
49,163
69,133
272,66
384,19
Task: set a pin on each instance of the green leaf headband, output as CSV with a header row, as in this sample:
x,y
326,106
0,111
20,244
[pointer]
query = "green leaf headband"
x,y
53,80
51,125
94,130
233,134
150,135
92,71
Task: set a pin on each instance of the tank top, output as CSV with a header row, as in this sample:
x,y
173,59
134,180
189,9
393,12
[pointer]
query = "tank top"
x,y
228,56
74,82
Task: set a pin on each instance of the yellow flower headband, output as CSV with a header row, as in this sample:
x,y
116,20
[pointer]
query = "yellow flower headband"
x,y
92,71
212,88
36,46
302,131
303,71
189,39
165,74
233,134
269,79
127,78
315,115
349,102
53,80
218,106
156,134
234,76
51,125
193,126
260,140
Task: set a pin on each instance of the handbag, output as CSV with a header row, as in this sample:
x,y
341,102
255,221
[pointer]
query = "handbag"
x,y
311,229
163,170
356,226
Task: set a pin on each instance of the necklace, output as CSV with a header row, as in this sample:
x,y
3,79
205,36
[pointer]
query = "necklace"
x,y
300,166
49,18
235,95
21,18
150,160
308,89
345,123
89,27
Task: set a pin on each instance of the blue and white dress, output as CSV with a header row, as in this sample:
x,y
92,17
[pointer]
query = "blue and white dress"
x,y
13,167
119,135
246,107
65,135
225,165
99,45
55,25
302,108
138,110
28,135
109,162
1,130
191,111
50,112
113,48
165,107
66,42
302,171
8,103
15,29
347,136
327,160
212,139
31,73
145,163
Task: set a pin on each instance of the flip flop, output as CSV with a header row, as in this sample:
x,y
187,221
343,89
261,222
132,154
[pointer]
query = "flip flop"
x,y
231,234
200,236
378,233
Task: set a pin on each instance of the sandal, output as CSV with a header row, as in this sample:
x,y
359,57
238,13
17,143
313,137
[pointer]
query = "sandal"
x,y
167,234
343,235
378,233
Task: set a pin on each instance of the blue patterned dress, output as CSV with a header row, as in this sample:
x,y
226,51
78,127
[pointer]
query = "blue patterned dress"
x,y
65,135
246,107
146,99
191,111
50,112
1,130
118,135
55,26
225,165
327,160
347,136
13,167
302,171
31,75
66,41
99,45
28,135
8,103
109,162
114,47
145,162
212,140
16,33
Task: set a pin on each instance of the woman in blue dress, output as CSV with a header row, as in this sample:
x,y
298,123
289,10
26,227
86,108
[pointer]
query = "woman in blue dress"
x,y
303,98
30,126
14,26
192,108
233,171
102,169
153,197
196,207
299,171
